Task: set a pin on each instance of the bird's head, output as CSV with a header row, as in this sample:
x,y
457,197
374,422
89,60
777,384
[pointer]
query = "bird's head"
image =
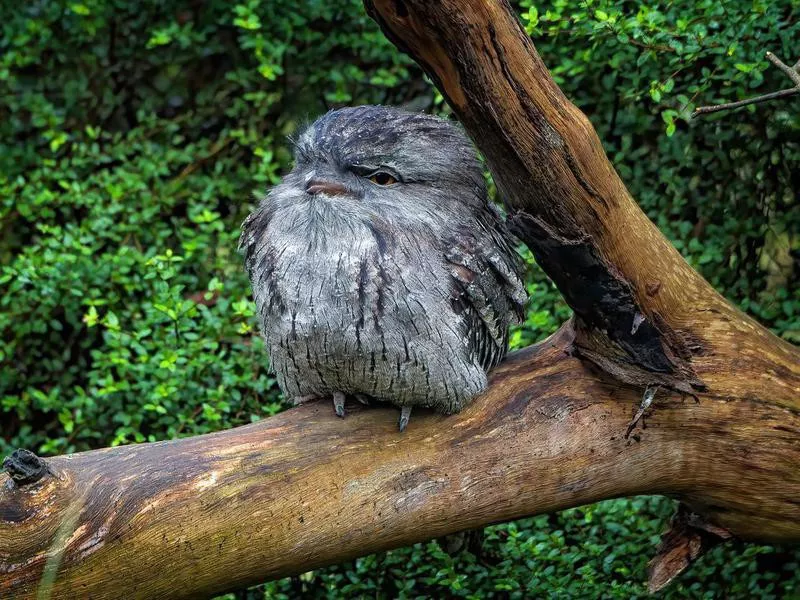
x,y
382,160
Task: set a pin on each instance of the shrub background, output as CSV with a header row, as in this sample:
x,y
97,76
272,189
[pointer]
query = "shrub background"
x,y
136,135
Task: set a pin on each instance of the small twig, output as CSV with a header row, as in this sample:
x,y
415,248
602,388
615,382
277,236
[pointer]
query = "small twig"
x,y
655,47
215,149
183,424
792,72
704,110
647,400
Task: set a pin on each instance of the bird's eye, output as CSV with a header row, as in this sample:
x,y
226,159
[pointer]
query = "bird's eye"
x,y
382,178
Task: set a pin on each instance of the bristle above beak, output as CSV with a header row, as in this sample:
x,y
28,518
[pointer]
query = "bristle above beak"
x,y
331,188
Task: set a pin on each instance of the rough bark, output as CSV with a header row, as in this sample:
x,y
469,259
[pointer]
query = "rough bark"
x,y
302,489
196,516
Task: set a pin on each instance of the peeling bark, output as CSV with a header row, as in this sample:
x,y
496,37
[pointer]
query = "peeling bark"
x,y
688,537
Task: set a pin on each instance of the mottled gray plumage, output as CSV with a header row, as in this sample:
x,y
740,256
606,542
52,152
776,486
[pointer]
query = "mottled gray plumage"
x,y
378,266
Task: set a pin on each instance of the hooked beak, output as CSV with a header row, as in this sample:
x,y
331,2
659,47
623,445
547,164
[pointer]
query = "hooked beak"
x,y
330,188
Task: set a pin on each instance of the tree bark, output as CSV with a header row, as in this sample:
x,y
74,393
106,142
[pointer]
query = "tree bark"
x,y
197,516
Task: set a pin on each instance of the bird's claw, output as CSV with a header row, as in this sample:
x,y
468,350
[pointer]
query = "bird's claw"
x,y
405,415
338,404
338,407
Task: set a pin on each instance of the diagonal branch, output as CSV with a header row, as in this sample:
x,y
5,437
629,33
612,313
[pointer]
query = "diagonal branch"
x,y
792,72
643,314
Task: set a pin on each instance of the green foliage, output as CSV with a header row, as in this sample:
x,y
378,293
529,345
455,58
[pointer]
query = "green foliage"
x,y
135,137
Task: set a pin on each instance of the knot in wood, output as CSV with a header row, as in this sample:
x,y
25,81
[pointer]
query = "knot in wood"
x,y
24,467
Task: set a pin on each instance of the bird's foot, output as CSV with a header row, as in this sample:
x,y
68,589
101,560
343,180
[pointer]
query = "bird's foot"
x,y
405,415
338,401
338,404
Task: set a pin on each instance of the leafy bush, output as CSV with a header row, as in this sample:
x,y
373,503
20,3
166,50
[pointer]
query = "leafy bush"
x,y
137,135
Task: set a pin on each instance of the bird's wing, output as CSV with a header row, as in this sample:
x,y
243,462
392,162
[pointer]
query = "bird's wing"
x,y
261,260
254,243
253,228
488,290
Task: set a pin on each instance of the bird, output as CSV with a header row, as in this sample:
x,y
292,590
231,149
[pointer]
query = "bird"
x,y
379,266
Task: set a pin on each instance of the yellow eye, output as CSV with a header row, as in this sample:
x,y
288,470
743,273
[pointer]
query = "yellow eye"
x,y
382,178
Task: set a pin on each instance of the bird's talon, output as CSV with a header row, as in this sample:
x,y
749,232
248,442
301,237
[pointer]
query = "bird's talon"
x,y
405,415
338,404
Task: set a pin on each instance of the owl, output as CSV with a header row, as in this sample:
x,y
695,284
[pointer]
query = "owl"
x,y
379,268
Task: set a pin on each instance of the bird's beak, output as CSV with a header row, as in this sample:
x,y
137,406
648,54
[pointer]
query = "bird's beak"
x,y
330,188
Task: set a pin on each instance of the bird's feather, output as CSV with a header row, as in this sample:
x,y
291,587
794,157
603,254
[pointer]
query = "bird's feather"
x,y
488,290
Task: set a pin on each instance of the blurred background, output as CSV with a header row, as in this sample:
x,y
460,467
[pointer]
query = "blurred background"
x,y
135,136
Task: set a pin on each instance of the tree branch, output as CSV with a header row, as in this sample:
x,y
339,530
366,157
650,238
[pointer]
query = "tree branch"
x,y
198,516
643,314
704,110
792,72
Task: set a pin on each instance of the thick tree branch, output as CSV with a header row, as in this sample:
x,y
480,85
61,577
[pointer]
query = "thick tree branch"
x,y
303,489
198,516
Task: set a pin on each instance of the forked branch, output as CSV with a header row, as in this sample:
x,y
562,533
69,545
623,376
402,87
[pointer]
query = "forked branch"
x,y
198,516
792,73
